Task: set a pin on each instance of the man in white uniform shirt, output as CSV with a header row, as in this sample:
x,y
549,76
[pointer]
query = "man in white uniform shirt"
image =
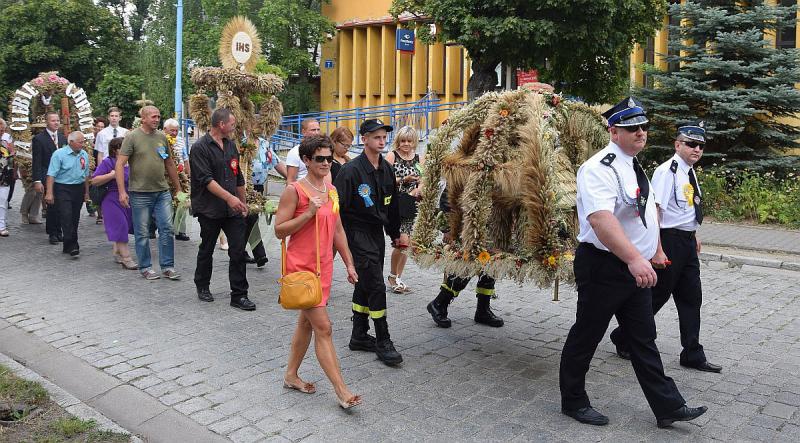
x,y
295,168
614,272
680,205
112,131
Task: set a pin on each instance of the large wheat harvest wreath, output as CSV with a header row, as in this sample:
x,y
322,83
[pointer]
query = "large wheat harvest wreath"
x,y
510,181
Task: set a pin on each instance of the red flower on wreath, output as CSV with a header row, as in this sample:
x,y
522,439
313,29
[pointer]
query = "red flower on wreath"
x,y
489,132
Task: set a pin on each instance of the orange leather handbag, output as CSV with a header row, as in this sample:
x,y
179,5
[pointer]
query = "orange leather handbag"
x,y
301,289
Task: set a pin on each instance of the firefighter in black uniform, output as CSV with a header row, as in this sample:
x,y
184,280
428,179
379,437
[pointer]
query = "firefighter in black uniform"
x,y
453,285
367,189
619,246
680,205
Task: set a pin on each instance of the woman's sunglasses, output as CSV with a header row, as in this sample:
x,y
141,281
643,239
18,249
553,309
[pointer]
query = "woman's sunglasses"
x,y
323,158
644,127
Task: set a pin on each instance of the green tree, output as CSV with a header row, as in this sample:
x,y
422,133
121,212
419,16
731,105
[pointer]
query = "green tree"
x,y
75,37
731,75
120,90
581,46
292,32
132,14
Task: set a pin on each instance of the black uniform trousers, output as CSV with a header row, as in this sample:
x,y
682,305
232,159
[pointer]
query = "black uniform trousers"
x,y
234,228
67,205
52,218
455,284
681,279
258,251
606,288
368,248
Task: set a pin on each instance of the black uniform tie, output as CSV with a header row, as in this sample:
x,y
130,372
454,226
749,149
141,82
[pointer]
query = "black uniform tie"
x,y
644,190
698,200
115,133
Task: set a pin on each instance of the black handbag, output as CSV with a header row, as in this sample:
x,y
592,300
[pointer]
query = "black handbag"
x,y
407,205
97,193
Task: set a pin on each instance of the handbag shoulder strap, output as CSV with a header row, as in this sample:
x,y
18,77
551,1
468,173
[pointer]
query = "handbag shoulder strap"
x,y
316,237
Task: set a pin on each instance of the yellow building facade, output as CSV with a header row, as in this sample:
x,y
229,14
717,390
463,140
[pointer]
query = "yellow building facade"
x,y
361,67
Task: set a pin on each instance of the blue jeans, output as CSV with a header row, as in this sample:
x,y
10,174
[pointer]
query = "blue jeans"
x,y
158,205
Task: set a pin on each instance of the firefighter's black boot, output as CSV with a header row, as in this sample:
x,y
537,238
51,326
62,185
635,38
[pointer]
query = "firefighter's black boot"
x,y
384,348
438,308
484,314
359,339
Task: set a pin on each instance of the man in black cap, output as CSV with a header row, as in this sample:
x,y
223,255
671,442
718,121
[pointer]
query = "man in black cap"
x,y
614,271
367,189
680,204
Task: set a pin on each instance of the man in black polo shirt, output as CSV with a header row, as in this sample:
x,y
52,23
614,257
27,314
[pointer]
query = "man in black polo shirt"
x,y
366,187
218,202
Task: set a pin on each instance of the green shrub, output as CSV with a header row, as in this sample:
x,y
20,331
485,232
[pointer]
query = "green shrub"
x,y
761,197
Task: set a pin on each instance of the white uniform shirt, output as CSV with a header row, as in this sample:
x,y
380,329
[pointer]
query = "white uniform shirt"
x,y
293,159
104,137
675,195
599,190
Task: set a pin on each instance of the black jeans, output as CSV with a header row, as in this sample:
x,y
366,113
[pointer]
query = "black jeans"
x,y
606,288
234,228
68,203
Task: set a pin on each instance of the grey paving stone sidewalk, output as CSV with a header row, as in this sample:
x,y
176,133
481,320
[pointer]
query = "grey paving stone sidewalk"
x,y
223,367
751,237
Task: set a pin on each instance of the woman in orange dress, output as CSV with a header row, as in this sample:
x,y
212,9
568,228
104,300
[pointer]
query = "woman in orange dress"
x,y
300,203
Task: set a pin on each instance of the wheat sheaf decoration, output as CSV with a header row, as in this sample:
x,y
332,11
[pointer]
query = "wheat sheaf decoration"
x,y
239,31
509,162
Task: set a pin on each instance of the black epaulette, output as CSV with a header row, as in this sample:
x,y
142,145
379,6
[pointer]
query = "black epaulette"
x,y
608,159
674,166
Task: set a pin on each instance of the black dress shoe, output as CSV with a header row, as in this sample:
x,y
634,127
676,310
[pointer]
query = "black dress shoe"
x,y
248,258
204,295
261,261
243,303
75,252
704,366
439,315
54,240
60,237
181,236
587,415
623,354
684,413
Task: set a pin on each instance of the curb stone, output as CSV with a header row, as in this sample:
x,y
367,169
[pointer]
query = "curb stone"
x,y
66,400
739,260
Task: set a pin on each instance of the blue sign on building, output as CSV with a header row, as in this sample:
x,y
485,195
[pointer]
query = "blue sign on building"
x,y
329,64
405,40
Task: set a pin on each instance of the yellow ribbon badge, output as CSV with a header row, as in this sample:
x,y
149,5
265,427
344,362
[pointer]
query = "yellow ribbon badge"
x,y
334,196
688,192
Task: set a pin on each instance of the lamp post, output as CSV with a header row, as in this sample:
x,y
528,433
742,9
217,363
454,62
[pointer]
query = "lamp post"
x,y
179,63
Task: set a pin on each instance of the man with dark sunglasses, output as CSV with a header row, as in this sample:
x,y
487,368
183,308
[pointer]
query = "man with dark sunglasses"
x,y
614,274
680,204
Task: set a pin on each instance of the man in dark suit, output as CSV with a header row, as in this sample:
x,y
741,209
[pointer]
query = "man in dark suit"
x,y
44,144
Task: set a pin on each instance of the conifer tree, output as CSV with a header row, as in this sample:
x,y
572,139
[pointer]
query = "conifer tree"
x,y
731,75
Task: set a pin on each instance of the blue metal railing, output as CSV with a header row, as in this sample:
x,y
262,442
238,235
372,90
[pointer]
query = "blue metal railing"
x,y
421,114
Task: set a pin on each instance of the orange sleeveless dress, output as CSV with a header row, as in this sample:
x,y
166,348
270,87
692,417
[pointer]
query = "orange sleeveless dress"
x,y
301,252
